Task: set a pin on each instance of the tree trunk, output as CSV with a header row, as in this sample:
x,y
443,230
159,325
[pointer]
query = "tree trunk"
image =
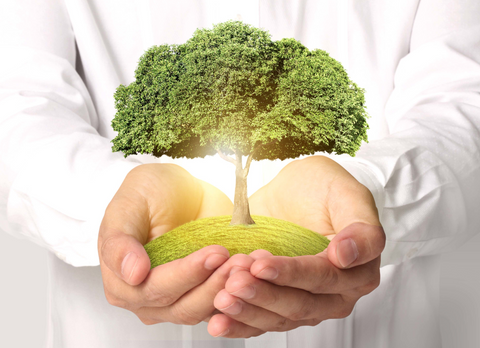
x,y
241,209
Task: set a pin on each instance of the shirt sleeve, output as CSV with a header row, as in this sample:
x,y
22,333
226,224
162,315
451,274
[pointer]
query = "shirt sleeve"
x,y
57,173
425,175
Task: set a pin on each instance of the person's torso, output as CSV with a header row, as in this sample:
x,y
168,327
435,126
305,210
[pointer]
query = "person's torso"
x,y
368,37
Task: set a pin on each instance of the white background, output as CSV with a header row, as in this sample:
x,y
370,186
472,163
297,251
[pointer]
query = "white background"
x,y
23,295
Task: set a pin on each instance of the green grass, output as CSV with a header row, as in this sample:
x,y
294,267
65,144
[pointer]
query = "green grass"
x,y
281,238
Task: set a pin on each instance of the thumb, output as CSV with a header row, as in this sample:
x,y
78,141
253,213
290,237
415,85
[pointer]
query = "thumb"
x,y
360,237
125,256
123,232
356,244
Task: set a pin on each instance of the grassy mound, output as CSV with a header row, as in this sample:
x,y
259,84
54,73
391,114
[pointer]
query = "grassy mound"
x,y
281,238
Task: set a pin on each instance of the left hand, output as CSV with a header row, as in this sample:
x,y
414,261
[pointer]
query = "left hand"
x,y
282,293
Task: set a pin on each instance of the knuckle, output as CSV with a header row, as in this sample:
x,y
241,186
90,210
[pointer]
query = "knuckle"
x,y
271,300
331,276
291,272
113,300
146,316
184,316
297,315
328,279
281,325
294,270
192,263
344,311
146,320
165,300
150,294
372,281
376,241
381,241
153,294
301,312
106,245
370,286
313,322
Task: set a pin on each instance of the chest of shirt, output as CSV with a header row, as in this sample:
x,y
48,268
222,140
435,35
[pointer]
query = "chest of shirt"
x,y
368,38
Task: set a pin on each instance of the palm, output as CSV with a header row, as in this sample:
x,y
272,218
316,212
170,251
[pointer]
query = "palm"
x,y
309,192
164,196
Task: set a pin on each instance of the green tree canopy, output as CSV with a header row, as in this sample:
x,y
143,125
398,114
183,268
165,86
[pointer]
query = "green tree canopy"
x,y
232,89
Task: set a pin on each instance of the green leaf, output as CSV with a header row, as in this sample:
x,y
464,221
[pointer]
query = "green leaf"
x,y
231,87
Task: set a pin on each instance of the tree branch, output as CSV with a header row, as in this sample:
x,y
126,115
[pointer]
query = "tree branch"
x,y
223,156
226,158
249,159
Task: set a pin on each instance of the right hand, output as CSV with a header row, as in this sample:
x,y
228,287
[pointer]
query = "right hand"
x,y
152,200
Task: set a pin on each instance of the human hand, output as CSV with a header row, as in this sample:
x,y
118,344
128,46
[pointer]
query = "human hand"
x,y
283,293
152,200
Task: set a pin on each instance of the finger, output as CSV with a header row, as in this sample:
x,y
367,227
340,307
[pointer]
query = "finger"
x,y
254,255
316,274
121,237
196,305
348,201
290,303
260,254
221,325
168,282
254,316
208,317
125,257
356,244
354,217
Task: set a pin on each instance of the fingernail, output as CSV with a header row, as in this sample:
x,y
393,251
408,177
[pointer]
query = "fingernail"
x,y
214,261
246,292
347,252
224,333
233,309
268,273
128,265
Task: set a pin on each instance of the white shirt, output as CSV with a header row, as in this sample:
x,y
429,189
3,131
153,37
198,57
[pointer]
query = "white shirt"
x,y
419,62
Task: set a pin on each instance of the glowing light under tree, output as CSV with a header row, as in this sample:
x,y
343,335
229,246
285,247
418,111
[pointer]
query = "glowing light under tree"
x,y
234,92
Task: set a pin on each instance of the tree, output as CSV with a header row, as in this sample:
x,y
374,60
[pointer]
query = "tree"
x,y
231,90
